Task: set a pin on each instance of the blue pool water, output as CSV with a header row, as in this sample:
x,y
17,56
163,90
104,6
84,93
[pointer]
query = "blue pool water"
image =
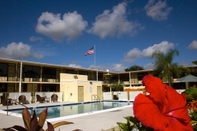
x,y
72,109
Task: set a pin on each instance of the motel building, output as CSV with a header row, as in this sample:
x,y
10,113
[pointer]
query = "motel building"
x,y
35,80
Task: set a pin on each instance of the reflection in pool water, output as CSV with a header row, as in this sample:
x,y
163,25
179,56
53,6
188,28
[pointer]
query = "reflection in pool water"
x,y
71,109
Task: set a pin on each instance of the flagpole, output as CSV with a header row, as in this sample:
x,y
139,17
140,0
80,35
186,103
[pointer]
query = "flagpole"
x,y
94,57
95,62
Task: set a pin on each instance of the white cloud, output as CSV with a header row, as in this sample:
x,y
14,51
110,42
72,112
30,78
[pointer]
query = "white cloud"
x,y
135,53
193,45
33,39
70,26
164,47
118,67
157,11
18,51
99,67
75,65
114,23
113,67
149,66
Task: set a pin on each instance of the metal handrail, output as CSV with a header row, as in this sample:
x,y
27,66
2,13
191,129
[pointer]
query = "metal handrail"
x,y
15,102
95,96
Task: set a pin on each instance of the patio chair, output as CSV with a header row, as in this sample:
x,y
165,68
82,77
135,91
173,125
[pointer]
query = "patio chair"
x,y
22,99
40,99
54,98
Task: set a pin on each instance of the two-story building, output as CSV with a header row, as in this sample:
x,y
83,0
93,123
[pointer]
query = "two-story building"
x,y
27,76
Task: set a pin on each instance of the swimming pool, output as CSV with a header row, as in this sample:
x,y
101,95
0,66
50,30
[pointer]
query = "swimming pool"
x,y
77,108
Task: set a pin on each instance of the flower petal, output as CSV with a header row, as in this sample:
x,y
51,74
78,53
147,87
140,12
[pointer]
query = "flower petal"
x,y
176,107
164,109
177,126
155,87
149,113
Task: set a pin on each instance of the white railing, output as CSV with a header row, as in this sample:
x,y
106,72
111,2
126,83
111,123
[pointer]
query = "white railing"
x,y
30,97
107,96
133,94
121,95
15,95
49,94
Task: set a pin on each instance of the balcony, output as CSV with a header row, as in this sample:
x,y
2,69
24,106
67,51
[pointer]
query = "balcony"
x,y
28,79
3,78
50,80
126,82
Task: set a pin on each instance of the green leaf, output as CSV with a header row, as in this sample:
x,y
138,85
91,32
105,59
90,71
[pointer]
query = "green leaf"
x,y
123,126
191,94
132,119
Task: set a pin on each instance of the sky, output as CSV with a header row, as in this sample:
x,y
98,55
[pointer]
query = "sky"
x,y
123,32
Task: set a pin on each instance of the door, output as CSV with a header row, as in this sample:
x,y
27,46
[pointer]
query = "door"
x,y
99,92
80,94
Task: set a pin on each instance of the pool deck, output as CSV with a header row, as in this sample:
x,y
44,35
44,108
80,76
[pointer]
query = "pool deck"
x,y
95,121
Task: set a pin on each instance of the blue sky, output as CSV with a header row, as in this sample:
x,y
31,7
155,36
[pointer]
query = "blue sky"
x,y
125,33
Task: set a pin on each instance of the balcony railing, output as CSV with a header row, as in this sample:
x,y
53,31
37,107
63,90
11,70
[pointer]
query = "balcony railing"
x,y
2,78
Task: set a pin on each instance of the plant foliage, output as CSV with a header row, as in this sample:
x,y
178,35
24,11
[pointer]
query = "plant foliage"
x,y
117,86
191,96
34,124
133,124
164,66
134,68
194,62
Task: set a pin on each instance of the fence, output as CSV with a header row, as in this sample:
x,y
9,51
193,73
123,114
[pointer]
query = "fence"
x,y
30,96
49,94
125,95
121,95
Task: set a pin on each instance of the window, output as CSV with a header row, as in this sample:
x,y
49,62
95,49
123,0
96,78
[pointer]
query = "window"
x,y
3,69
31,72
48,73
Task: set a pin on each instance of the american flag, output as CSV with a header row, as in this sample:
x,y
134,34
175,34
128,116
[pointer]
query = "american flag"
x,y
90,51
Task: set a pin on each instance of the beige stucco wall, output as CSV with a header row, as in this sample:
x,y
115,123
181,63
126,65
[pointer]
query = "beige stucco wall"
x,y
69,84
89,89
67,77
67,87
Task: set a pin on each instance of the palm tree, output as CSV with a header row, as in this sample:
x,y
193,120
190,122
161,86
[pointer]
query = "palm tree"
x,y
164,66
183,71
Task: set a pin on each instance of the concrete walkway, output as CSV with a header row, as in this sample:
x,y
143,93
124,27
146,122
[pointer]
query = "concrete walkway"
x,y
95,121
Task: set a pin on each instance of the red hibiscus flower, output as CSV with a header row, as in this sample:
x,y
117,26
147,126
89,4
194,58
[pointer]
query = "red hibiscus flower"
x,y
164,109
